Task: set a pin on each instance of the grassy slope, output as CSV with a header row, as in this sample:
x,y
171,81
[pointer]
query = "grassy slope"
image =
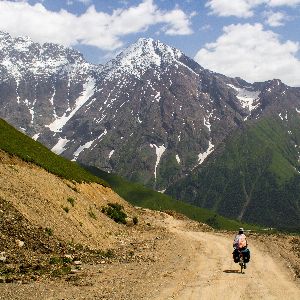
x,y
257,164
141,196
16,143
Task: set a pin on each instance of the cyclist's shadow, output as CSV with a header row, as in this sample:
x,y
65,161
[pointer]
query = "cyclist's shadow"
x,y
232,271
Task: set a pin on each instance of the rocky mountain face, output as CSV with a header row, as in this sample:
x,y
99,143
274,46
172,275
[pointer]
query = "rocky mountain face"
x,y
151,114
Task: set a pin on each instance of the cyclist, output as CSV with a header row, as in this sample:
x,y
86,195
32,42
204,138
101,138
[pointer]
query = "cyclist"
x,y
240,246
240,240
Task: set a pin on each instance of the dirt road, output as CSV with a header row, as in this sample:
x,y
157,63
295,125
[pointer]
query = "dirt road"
x,y
174,259
214,275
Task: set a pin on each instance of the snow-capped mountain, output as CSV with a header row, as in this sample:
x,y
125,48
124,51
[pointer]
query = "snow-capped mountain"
x,y
39,82
151,114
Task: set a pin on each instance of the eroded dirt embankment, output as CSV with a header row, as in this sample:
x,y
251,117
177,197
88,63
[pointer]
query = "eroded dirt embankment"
x,y
43,199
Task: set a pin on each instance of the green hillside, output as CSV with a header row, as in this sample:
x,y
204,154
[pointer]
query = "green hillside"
x,y
141,196
17,143
254,179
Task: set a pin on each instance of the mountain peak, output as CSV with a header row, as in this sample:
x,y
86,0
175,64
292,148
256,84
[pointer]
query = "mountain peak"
x,y
21,53
149,46
146,53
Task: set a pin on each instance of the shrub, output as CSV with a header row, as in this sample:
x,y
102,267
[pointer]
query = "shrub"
x,y
135,220
92,215
116,212
109,253
71,201
49,231
213,222
55,260
66,209
61,271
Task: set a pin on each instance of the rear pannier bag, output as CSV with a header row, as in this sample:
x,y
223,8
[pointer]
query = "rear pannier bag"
x,y
246,255
236,256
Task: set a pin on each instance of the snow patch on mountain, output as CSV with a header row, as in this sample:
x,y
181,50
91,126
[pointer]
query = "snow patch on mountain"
x,y
52,97
81,148
87,93
204,155
52,103
18,96
185,66
248,98
60,146
206,121
285,117
280,116
159,150
30,108
162,191
36,136
99,138
111,153
157,97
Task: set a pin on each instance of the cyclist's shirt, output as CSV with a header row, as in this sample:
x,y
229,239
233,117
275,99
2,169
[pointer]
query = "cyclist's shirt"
x,y
240,241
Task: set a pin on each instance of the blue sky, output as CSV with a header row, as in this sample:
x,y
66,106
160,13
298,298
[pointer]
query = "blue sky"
x,y
253,39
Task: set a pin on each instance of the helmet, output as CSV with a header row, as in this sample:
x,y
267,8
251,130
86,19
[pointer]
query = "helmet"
x,y
241,230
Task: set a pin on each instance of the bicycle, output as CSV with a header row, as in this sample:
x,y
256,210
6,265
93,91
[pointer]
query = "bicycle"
x,y
241,261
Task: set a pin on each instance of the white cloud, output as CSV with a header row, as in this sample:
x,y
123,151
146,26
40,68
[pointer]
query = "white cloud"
x,y
237,8
92,27
275,19
243,8
283,2
177,21
252,53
